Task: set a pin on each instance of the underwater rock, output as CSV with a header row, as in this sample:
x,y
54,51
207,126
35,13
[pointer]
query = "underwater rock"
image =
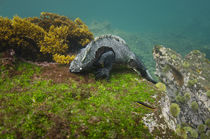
x,y
187,82
161,120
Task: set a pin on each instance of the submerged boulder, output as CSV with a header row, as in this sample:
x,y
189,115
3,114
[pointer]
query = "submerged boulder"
x,y
187,83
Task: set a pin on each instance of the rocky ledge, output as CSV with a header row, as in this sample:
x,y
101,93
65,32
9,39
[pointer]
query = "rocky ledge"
x,y
186,105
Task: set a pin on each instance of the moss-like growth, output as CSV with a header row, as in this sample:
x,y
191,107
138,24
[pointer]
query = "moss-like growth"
x,y
192,82
180,99
201,128
161,86
194,106
186,132
192,132
166,68
75,106
208,133
173,56
181,132
208,93
174,109
207,122
203,136
186,64
187,97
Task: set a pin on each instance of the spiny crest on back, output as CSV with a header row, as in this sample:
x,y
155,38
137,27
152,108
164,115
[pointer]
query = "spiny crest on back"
x,y
107,38
117,38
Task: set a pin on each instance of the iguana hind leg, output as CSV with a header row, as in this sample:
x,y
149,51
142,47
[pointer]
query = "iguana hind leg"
x,y
106,60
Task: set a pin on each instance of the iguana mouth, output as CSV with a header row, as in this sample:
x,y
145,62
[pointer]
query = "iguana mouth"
x,y
74,68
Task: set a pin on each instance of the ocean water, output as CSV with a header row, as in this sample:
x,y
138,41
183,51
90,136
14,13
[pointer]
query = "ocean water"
x,y
183,25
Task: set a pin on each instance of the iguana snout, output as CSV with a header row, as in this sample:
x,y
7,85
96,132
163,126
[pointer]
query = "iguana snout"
x,y
75,66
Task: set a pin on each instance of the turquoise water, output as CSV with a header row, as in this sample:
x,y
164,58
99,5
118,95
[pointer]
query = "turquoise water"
x,y
180,24
131,15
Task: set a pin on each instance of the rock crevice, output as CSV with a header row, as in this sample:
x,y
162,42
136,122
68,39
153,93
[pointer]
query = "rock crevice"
x,y
187,82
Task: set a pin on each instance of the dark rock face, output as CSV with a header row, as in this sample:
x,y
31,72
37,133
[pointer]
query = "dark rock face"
x,y
187,81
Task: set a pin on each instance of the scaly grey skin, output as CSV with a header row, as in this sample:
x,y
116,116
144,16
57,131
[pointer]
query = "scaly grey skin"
x,y
102,52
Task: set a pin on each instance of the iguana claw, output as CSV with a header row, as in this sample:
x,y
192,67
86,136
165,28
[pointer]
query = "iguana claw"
x,y
102,73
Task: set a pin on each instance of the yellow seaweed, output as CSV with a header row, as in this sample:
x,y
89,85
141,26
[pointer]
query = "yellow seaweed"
x,y
63,59
52,35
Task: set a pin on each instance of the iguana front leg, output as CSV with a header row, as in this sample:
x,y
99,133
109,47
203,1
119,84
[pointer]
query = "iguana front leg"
x,y
106,60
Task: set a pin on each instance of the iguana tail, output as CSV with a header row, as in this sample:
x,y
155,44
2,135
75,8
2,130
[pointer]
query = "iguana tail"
x,y
140,68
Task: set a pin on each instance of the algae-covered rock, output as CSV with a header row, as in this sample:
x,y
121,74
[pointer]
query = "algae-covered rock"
x,y
186,79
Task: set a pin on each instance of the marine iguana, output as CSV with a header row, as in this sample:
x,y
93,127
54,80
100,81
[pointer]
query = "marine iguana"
x,y
102,52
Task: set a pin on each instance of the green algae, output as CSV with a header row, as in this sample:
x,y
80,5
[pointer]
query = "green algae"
x,y
194,106
174,109
37,107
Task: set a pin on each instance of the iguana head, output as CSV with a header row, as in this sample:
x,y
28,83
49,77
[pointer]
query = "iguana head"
x,y
76,65
81,62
